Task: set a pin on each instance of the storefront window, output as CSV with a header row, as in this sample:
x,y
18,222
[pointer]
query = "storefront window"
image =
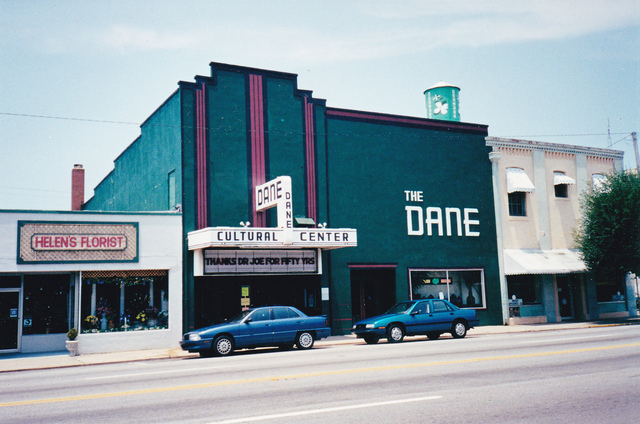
x,y
525,287
462,287
124,302
47,304
610,291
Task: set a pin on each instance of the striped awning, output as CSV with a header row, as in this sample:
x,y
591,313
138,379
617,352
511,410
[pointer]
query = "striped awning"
x,y
535,261
561,178
518,180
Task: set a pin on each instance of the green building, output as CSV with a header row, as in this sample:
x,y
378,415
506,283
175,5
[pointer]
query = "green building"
x,y
380,208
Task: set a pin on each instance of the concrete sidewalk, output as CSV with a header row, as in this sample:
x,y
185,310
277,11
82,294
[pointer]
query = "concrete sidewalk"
x,y
21,362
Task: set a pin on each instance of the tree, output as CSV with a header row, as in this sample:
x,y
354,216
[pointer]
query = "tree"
x,y
609,230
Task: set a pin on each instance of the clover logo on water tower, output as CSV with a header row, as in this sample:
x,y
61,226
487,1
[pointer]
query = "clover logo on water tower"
x,y
443,102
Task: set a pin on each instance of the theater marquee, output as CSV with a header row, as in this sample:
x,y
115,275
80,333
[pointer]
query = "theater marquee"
x,y
48,242
260,261
283,249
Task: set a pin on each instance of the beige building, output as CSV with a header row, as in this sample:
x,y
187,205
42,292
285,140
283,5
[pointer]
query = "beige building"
x,y
537,189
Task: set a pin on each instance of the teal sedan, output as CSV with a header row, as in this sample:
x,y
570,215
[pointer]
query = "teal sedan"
x,y
430,317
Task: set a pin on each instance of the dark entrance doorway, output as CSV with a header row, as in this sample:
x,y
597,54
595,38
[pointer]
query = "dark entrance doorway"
x,y
373,291
565,297
9,324
221,298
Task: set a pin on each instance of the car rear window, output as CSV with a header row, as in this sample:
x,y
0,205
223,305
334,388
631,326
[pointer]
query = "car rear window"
x,y
282,313
440,306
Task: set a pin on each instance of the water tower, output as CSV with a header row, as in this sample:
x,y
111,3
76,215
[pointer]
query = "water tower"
x,y
443,102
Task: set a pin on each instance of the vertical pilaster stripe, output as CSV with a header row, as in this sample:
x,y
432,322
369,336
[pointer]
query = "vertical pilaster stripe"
x,y
310,156
201,160
258,157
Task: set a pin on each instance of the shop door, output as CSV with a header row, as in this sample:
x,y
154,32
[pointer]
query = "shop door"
x,y
372,292
9,322
565,297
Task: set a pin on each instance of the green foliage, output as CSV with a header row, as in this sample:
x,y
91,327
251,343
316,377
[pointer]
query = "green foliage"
x,y
72,334
609,231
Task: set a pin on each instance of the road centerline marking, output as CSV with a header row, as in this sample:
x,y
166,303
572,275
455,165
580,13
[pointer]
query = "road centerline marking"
x,y
308,375
324,410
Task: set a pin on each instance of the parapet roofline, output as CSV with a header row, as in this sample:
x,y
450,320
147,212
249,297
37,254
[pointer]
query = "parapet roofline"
x,y
409,121
556,147
217,66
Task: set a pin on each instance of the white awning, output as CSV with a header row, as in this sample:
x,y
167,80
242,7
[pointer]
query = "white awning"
x,y
561,178
535,261
517,180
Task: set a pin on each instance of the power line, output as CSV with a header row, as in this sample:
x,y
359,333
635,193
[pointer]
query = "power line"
x,y
627,134
35,189
68,119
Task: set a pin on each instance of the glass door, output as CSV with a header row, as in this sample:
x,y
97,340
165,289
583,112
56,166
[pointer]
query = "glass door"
x,y
9,319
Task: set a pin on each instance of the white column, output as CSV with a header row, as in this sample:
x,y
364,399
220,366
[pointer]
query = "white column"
x,y
504,293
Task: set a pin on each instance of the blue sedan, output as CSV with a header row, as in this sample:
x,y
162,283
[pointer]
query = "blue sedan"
x,y
431,317
281,326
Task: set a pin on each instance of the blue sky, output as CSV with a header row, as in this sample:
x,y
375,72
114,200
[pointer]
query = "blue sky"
x,y
77,78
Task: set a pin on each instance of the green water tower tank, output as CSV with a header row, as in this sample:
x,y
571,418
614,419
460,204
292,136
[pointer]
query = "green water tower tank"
x,y
443,102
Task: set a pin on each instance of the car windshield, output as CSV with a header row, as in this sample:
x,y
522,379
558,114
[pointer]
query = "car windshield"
x,y
239,317
400,308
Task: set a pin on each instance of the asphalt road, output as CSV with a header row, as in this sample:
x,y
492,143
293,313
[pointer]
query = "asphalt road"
x,y
569,376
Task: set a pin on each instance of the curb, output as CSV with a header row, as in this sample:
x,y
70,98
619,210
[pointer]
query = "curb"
x,y
42,362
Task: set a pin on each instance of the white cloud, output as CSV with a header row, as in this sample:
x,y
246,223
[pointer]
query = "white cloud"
x,y
494,21
127,37
373,30
342,32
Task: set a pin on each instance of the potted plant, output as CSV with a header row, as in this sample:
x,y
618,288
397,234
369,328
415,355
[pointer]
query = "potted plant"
x,y
72,343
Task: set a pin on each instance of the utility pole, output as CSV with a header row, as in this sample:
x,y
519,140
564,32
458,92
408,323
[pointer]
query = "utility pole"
x,y
635,148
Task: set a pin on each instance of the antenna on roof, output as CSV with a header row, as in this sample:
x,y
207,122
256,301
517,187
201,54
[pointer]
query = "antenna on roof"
x,y
608,134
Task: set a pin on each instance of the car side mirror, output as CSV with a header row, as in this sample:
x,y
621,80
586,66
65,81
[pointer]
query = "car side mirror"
x,y
247,321
415,313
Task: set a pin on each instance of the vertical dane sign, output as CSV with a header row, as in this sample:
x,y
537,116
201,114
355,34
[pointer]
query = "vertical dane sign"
x,y
277,192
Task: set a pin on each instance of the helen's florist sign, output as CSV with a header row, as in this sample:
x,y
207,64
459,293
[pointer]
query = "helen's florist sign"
x,y
51,241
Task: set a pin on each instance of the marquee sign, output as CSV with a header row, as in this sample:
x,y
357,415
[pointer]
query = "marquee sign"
x,y
260,261
53,241
324,238
263,250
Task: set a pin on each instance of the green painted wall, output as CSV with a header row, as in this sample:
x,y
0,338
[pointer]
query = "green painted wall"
x,y
286,139
228,151
144,166
371,166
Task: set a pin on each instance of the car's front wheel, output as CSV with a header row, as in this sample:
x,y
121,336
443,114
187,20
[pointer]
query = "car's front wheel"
x,y
222,346
459,329
305,340
395,334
